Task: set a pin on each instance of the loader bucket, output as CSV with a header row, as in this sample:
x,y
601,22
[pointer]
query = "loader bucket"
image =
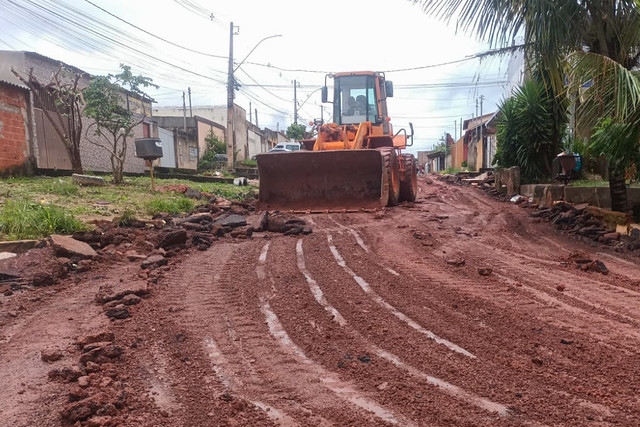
x,y
321,180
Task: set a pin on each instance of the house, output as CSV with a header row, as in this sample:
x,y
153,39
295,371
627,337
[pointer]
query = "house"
x,y
477,146
45,145
16,132
273,137
217,114
184,139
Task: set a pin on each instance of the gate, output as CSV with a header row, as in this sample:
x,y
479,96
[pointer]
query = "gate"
x,y
168,159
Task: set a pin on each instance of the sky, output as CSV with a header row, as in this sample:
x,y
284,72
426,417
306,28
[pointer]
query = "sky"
x,y
184,44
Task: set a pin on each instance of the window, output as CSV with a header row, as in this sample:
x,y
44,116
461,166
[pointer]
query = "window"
x,y
355,100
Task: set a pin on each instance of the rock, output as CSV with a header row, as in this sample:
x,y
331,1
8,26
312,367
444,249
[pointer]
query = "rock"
x,y
537,361
43,279
193,194
560,288
70,247
458,262
68,374
118,290
92,367
92,237
131,299
595,265
77,393
382,386
173,238
294,231
84,381
7,255
486,271
194,227
258,222
201,241
611,236
231,221
83,409
88,180
99,337
117,313
100,421
197,218
101,355
154,261
307,230
50,355
134,256
18,246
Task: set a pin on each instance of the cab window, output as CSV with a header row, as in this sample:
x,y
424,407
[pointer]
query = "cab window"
x,y
355,100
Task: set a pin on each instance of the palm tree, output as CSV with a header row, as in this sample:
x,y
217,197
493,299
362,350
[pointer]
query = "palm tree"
x,y
575,42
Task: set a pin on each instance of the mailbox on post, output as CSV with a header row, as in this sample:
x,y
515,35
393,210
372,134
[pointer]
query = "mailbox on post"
x,y
149,149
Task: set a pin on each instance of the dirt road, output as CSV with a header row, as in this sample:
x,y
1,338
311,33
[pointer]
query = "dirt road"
x,y
457,311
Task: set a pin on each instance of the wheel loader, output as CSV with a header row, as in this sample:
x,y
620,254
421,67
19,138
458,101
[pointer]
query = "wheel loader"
x,y
354,163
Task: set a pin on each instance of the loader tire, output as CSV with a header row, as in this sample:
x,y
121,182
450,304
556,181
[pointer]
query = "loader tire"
x,y
392,170
409,183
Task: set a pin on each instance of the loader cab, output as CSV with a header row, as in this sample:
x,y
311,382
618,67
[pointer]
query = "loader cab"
x,y
359,97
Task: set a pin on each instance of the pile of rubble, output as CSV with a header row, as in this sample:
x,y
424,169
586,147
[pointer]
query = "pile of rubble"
x,y
150,242
575,219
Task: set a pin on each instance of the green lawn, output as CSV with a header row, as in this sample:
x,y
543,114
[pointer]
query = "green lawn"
x,y
38,206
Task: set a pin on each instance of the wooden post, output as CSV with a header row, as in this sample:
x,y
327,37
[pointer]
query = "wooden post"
x,y
150,164
153,186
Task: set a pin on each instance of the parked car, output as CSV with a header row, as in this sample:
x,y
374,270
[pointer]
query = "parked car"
x,y
286,146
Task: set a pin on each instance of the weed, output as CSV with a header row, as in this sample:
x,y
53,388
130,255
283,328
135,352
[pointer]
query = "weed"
x,y
23,219
171,206
127,216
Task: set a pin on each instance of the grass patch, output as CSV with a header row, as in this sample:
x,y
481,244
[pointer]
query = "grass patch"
x,y
24,219
133,199
171,206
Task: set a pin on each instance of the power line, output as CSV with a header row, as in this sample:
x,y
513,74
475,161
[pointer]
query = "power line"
x,y
156,36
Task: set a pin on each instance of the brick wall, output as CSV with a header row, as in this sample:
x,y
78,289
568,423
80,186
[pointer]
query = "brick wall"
x,y
14,147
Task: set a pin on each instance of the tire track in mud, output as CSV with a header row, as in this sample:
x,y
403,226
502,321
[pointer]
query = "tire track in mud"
x,y
364,285
578,300
313,321
259,364
446,387
340,388
558,392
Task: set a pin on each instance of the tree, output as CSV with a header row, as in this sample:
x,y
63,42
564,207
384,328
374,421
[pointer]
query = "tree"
x,y
585,43
215,146
296,131
525,130
65,112
113,120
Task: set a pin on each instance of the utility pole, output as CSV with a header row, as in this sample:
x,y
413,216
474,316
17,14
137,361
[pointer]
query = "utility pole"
x,y
190,110
184,114
455,130
230,88
481,125
250,113
295,102
476,129
257,117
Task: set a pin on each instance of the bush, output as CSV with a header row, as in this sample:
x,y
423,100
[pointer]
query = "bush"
x,y
210,158
23,219
170,206
527,130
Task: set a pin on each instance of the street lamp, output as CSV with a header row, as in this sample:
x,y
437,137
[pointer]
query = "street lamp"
x,y
231,138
